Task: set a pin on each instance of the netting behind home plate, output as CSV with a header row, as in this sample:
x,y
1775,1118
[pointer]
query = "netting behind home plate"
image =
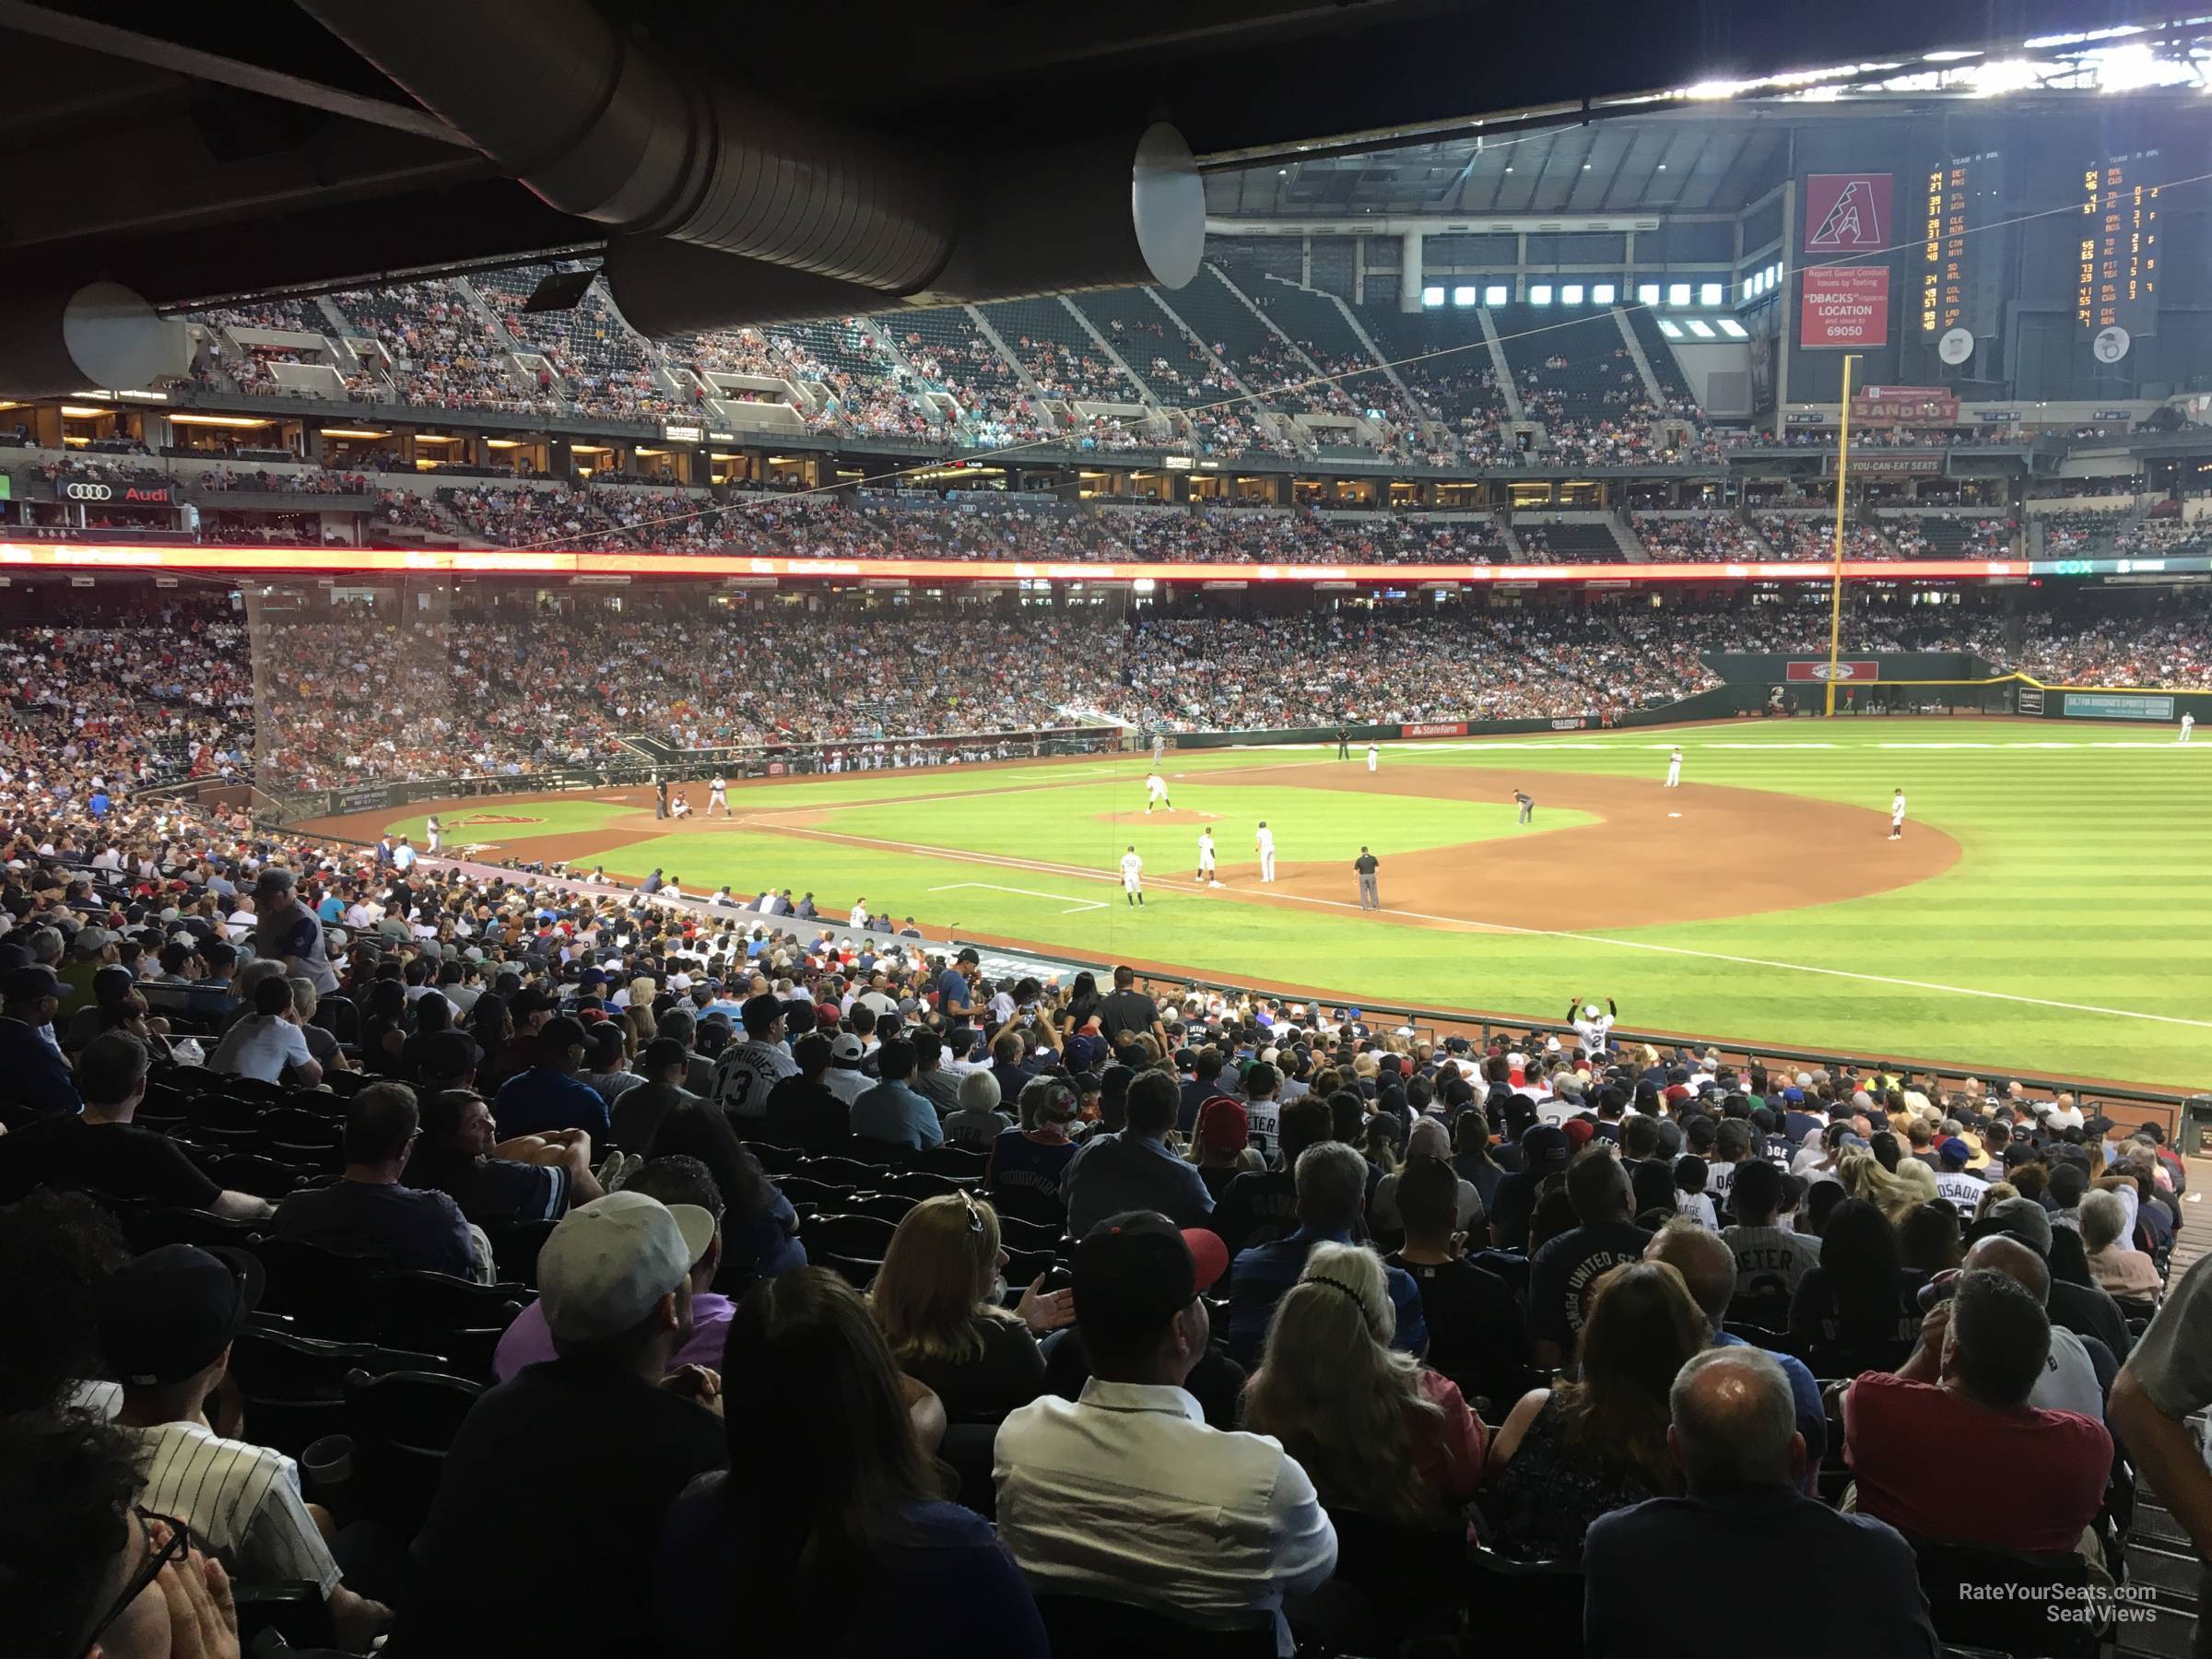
x,y
363,680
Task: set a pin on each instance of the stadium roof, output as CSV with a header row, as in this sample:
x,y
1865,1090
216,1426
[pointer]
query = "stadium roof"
x,y
196,153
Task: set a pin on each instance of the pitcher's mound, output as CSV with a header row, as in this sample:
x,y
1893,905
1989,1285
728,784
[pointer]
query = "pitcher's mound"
x,y
1163,815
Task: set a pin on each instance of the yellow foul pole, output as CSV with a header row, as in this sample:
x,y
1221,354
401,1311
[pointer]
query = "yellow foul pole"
x,y
1835,594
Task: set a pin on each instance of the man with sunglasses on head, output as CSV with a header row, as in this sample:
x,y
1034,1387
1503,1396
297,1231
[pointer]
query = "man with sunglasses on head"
x,y
166,1322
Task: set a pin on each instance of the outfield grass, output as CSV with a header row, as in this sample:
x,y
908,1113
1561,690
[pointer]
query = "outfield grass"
x,y
2074,936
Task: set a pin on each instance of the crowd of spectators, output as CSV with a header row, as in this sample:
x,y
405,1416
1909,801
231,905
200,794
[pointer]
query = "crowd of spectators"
x,y
1236,1294
1705,537
370,693
1806,535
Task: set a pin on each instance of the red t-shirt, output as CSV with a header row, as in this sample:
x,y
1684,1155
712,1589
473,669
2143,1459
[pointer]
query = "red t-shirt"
x,y
2036,1478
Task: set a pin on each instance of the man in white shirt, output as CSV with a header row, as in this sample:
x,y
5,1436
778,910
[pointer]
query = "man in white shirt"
x,y
268,1043
1125,1493
859,918
1263,842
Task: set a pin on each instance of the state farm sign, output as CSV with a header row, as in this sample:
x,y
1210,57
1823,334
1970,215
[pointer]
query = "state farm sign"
x,y
1435,728
1839,672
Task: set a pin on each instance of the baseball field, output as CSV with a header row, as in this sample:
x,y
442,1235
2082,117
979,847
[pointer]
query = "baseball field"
x,y
2048,907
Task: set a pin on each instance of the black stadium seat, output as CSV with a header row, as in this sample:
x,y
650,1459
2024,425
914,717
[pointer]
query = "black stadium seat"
x,y
1087,1627
294,1386
848,1234
1959,1579
401,1425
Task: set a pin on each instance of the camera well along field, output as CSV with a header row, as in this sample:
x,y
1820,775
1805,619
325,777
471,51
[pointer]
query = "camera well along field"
x,y
2049,908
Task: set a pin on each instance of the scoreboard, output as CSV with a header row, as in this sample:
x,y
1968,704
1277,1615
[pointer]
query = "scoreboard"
x,y
2116,278
1959,272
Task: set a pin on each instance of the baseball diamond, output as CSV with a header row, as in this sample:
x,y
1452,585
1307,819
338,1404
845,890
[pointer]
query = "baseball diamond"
x,y
1763,901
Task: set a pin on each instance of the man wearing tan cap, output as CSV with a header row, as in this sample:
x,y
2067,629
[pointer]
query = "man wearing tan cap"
x,y
575,1460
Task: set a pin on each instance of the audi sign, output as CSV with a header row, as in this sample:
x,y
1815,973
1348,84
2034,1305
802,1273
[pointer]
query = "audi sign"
x,y
88,492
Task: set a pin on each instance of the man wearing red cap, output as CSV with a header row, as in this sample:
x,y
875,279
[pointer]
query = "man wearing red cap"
x,y
1233,1523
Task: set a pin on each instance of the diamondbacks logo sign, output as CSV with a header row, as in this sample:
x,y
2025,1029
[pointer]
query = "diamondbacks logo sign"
x,y
1846,213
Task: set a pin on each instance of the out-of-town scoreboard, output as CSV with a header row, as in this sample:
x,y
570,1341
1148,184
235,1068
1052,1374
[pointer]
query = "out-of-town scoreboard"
x,y
1960,270
2117,271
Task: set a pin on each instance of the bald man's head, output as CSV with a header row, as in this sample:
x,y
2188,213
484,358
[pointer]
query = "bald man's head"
x,y
2004,1253
1734,1422
1707,1266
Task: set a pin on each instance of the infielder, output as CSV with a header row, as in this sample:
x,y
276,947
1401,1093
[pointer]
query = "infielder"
x,y
1156,792
1897,816
1371,896
1159,743
1593,1025
1527,803
718,794
1206,858
1263,844
1674,769
1132,870
1374,756
2188,725
437,830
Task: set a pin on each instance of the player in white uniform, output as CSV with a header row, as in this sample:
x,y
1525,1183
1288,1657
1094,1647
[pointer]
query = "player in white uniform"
x,y
1593,1025
1897,816
1132,870
1156,792
436,835
1674,769
2188,725
1374,756
1206,858
718,796
1264,843
859,918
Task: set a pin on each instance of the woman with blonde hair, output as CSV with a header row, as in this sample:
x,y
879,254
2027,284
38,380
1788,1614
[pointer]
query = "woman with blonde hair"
x,y
1568,1454
938,1300
1379,1432
641,1022
1897,1194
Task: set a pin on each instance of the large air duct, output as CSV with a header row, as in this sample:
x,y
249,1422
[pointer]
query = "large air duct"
x,y
610,131
101,335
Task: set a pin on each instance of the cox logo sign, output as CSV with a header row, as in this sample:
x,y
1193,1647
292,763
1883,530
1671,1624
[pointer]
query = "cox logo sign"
x,y
88,492
1842,671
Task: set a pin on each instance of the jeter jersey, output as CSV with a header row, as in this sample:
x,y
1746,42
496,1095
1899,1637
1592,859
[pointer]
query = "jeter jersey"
x,y
1265,841
242,1500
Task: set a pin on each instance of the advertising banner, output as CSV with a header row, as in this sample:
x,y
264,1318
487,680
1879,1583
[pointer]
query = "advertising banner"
x,y
1846,213
1435,728
1906,406
1843,306
2111,705
1842,671
1887,466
